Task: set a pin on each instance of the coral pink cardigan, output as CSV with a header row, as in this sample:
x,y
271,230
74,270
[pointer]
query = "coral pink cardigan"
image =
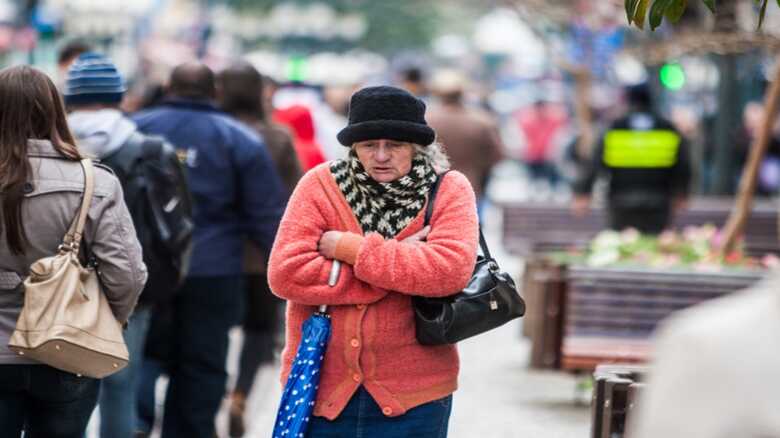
x,y
373,342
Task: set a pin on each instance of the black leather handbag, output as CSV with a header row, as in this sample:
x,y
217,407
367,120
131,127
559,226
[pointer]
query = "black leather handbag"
x,y
489,300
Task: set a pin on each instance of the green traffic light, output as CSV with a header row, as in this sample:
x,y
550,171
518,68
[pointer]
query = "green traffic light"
x,y
296,69
672,76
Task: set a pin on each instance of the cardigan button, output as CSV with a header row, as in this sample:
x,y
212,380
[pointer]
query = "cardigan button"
x,y
357,377
355,343
387,410
361,306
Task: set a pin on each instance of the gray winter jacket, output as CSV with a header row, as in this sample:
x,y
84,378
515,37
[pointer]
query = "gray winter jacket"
x,y
52,200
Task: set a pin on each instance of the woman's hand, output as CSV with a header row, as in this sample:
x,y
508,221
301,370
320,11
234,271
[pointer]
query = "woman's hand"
x,y
327,245
419,236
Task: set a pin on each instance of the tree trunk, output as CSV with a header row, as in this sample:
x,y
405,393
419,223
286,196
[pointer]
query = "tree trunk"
x,y
582,80
744,202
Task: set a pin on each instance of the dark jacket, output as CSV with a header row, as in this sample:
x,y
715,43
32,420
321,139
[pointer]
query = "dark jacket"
x,y
111,137
279,142
280,146
235,187
646,160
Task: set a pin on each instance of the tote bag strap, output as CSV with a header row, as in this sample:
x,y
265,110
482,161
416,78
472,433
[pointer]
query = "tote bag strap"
x,y
429,213
72,239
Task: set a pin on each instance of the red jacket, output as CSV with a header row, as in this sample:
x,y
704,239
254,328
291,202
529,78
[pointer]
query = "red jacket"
x,y
373,342
298,118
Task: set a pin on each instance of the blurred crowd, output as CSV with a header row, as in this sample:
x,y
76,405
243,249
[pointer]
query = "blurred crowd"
x,y
548,139
546,132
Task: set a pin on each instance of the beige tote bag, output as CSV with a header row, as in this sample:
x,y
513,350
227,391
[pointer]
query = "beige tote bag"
x,y
66,321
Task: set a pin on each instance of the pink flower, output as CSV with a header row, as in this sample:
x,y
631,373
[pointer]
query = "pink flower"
x,y
667,240
630,235
770,261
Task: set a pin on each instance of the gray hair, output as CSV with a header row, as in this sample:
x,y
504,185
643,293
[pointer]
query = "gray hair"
x,y
435,153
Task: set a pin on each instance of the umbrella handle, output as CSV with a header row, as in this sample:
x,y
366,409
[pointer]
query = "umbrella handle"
x,y
335,270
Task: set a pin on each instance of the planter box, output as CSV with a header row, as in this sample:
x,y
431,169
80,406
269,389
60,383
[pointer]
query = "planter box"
x,y
544,289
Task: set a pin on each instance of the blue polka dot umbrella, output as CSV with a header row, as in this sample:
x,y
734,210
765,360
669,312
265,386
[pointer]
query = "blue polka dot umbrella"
x,y
300,392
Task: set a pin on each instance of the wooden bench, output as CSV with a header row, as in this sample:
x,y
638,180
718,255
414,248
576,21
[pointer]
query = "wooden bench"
x,y
532,228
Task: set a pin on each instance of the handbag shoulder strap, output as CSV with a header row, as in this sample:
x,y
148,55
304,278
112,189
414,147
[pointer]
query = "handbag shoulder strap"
x,y
72,239
483,244
432,198
429,213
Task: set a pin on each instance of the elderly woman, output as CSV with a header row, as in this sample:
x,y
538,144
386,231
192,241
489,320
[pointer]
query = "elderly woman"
x,y
367,211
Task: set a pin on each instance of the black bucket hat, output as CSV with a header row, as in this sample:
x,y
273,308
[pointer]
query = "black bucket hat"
x,y
386,112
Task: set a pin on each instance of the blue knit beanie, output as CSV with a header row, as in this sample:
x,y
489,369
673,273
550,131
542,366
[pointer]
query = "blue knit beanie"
x,y
93,78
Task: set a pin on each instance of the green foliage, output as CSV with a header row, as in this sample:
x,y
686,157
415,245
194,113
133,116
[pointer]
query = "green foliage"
x,y
641,12
392,25
673,10
399,24
657,12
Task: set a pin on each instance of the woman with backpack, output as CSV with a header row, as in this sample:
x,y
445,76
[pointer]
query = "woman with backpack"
x,y
41,186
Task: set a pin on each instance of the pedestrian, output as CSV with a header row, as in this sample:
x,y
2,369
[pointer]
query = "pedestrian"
x,y
94,90
330,116
413,79
65,57
648,165
299,120
543,126
367,212
237,194
41,185
241,94
469,136
715,370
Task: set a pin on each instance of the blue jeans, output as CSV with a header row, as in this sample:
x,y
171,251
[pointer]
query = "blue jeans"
x,y
45,402
363,418
204,311
118,391
151,370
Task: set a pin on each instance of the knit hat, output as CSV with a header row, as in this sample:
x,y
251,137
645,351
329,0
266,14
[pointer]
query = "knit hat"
x,y
93,78
386,112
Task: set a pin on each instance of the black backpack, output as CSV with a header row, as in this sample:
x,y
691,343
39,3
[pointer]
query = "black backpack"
x,y
156,193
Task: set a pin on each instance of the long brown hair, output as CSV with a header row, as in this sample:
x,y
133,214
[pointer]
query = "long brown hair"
x,y
30,108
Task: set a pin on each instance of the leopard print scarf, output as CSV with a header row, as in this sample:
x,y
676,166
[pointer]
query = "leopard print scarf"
x,y
385,208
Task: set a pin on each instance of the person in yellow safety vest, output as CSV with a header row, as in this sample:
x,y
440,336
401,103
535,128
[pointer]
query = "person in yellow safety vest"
x,y
648,165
